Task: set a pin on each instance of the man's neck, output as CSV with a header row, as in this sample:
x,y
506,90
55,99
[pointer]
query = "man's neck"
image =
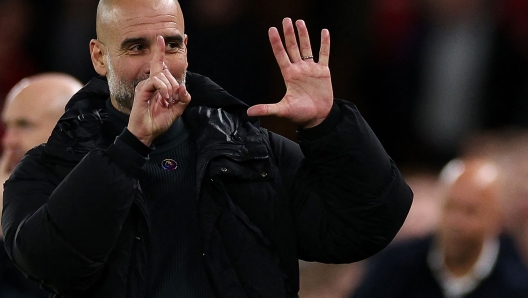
x,y
464,278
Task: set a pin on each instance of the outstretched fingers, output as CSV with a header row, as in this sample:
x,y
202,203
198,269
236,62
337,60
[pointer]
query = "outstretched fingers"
x,y
290,40
278,48
304,41
324,52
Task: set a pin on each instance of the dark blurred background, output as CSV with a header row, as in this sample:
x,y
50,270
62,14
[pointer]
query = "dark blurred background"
x,y
428,75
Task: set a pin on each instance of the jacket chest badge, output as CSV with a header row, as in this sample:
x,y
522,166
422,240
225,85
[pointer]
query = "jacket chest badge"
x,y
169,164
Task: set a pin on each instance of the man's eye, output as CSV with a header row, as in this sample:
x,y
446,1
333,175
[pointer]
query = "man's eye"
x,y
173,46
136,48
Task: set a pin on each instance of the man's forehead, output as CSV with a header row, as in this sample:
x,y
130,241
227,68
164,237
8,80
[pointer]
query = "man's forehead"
x,y
142,9
130,15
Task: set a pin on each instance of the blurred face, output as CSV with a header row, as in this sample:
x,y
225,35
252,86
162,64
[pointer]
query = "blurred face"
x,y
127,33
28,123
469,217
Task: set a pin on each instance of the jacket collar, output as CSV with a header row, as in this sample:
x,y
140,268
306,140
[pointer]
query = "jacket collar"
x,y
215,118
203,90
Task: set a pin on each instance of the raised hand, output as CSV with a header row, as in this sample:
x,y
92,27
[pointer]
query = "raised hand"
x,y
309,96
158,101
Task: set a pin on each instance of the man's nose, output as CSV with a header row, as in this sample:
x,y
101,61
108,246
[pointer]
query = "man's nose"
x,y
146,68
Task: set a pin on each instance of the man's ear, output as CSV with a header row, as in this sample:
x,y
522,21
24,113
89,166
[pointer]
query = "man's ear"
x,y
185,41
97,53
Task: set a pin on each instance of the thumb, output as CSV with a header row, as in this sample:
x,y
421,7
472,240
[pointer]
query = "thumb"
x,y
263,110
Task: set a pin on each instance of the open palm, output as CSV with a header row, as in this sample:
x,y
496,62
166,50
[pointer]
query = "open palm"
x,y
309,94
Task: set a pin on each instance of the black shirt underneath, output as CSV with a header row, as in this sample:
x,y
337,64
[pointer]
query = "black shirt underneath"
x,y
177,266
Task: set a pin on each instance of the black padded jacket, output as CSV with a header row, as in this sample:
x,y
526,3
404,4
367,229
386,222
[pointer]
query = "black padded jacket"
x,y
74,215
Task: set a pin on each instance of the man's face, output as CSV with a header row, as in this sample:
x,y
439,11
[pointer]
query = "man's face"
x,y
469,216
129,38
27,124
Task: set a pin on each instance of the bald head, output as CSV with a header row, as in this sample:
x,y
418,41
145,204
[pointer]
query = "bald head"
x,y
32,109
472,187
110,13
477,173
471,211
127,31
53,90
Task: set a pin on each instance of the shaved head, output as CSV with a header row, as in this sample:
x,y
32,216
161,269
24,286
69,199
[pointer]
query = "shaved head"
x,y
32,109
109,12
51,90
473,185
127,31
471,213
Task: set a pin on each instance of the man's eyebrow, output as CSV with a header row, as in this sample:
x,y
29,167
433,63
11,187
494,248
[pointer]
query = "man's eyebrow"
x,y
141,40
174,38
132,41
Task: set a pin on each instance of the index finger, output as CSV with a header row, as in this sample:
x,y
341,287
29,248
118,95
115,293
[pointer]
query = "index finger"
x,y
278,48
157,63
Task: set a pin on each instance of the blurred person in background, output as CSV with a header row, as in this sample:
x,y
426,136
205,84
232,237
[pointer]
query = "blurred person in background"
x,y
467,256
31,111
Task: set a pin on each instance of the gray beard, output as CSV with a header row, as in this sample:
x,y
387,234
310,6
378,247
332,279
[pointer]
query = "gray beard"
x,y
123,91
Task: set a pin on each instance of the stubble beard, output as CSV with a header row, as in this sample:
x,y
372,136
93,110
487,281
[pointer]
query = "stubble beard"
x,y
123,91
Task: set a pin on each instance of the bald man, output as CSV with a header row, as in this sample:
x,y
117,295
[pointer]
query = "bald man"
x,y
143,192
31,110
466,257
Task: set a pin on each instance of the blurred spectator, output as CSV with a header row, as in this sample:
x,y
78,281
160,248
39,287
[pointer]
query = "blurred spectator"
x,y
32,109
439,71
466,257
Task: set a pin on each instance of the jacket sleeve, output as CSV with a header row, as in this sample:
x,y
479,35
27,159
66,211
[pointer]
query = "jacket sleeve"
x,y
348,198
60,233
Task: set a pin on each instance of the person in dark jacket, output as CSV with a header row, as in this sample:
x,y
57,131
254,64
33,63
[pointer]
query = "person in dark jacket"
x,y
467,257
31,110
142,192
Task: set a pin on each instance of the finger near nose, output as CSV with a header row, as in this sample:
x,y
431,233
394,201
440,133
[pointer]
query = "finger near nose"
x,y
157,63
